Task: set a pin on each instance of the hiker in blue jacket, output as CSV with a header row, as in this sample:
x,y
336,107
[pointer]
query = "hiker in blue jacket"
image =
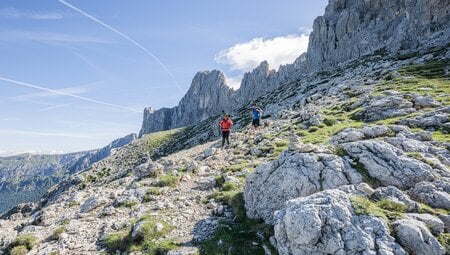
x,y
256,116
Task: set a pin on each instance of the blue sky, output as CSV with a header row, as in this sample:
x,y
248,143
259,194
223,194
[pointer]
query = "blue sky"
x,y
68,83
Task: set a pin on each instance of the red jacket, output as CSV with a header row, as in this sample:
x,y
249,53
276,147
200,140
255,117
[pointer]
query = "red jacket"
x,y
225,125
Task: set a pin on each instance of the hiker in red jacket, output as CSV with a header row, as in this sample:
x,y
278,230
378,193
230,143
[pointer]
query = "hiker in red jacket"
x,y
225,126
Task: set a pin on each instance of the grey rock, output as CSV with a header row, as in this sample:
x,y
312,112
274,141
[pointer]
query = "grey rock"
x,y
434,119
324,223
209,152
208,95
414,236
424,101
255,151
435,194
383,107
92,203
435,224
388,165
351,29
395,195
291,176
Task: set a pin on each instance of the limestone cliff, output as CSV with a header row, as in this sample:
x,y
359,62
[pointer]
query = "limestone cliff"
x,y
208,95
350,29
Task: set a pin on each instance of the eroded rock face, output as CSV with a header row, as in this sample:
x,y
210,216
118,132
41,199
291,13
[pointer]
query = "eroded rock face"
x,y
416,238
207,96
436,194
291,176
387,164
325,223
350,29
384,107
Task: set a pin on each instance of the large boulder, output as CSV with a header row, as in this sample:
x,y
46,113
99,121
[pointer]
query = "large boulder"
x,y
388,164
436,194
383,107
325,223
396,195
294,175
415,237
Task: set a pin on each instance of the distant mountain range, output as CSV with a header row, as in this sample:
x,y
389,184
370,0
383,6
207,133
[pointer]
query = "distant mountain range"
x,y
26,177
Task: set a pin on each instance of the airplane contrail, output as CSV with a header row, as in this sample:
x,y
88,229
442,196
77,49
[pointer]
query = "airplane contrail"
x,y
125,37
59,92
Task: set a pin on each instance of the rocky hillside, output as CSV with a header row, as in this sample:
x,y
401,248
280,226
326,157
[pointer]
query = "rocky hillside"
x,y
25,178
352,159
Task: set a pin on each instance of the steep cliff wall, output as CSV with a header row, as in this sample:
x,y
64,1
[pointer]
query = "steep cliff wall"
x,y
350,29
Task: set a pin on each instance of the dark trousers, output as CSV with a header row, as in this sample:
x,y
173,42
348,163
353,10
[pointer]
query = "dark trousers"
x,y
225,136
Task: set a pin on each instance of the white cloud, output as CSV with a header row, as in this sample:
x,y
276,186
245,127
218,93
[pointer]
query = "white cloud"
x,y
13,13
277,51
233,82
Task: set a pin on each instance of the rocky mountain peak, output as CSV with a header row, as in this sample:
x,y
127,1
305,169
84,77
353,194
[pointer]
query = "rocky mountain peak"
x,y
350,29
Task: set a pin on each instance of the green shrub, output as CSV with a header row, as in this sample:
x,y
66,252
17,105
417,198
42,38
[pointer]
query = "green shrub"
x,y
147,239
312,129
168,180
118,241
281,143
26,240
329,121
229,186
57,233
390,205
19,250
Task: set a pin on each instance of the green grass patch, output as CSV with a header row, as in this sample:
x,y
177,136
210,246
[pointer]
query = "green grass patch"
x,y
57,233
169,180
440,136
424,208
430,70
19,250
386,209
152,191
444,239
236,167
148,239
234,199
239,239
26,240
283,143
230,186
